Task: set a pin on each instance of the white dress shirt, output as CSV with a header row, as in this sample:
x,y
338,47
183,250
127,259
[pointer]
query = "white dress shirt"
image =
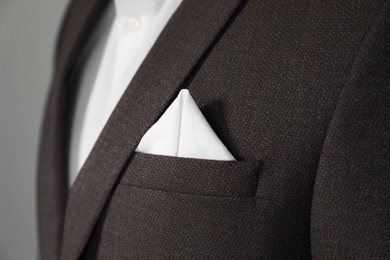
x,y
123,38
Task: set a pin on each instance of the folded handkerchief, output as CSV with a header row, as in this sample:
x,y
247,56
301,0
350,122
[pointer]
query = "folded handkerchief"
x,y
182,131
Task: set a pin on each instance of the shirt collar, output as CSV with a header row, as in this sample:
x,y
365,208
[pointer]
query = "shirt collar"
x,y
125,8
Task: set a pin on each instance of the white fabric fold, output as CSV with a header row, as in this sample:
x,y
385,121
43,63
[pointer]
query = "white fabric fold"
x,y
183,131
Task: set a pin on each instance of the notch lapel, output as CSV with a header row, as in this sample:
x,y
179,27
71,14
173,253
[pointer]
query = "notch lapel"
x,y
184,43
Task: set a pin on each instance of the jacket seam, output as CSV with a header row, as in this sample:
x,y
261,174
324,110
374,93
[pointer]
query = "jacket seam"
x,y
354,67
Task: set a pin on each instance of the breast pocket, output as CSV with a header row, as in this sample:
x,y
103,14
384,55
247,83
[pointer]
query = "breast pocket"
x,y
175,208
193,176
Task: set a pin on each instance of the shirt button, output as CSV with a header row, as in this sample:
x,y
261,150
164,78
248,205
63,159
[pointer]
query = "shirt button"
x,y
133,23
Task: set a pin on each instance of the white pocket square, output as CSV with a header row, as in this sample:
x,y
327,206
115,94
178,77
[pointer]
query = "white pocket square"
x,y
182,131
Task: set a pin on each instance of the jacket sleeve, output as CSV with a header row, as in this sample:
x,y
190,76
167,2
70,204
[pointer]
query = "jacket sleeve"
x,y
351,200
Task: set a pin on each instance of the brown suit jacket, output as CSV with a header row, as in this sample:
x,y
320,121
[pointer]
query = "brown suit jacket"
x,y
299,92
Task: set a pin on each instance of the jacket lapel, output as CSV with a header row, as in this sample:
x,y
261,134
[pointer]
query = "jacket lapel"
x,y
52,163
174,59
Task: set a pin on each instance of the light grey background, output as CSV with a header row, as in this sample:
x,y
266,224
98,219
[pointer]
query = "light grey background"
x,y
28,29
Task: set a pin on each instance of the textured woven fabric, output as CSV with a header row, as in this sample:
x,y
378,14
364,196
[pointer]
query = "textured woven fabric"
x,y
299,92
